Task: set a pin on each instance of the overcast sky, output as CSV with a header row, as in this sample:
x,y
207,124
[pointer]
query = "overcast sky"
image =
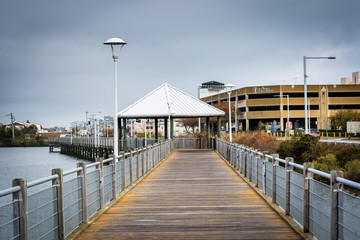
x,y
54,67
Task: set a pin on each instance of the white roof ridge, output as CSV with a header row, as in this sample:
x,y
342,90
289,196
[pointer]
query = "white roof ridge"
x,y
165,100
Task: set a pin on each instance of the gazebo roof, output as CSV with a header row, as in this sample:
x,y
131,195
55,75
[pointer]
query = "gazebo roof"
x,y
156,105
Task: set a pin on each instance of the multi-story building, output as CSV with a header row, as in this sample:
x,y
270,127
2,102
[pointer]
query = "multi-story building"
x,y
269,103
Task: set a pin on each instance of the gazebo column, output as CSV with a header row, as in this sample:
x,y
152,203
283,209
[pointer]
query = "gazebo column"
x,y
208,132
171,128
219,127
124,131
156,129
119,128
165,128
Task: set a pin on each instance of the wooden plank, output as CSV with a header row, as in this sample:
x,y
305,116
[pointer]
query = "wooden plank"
x,y
192,195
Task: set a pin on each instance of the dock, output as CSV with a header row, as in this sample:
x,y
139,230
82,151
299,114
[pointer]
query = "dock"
x,y
193,194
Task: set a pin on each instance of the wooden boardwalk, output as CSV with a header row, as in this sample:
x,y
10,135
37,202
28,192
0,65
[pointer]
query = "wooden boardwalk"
x,y
192,195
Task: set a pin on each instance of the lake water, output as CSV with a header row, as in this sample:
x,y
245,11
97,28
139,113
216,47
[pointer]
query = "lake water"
x,y
31,163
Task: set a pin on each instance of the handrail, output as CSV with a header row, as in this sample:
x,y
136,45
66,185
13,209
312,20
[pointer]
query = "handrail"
x,y
344,181
9,191
297,191
70,192
42,180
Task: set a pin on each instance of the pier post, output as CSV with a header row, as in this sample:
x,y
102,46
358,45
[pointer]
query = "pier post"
x,y
113,163
275,164
137,163
241,159
250,164
58,182
82,174
256,168
22,199
264,161
100,167
288,168
131,167
143,161
123,185
307,176
335,187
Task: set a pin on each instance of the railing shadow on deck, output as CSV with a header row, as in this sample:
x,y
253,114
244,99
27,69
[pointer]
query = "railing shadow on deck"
x,y
325,210
55,206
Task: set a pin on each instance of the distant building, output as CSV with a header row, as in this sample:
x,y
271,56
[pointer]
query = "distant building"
x,y
355,79
210,88
262,103
27,124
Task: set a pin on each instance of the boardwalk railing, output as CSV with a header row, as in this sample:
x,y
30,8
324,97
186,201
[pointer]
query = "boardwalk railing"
x,y
130,143
53,207
190,143
327,211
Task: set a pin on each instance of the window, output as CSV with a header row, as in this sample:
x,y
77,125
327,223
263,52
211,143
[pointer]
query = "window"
x,y
263,95
241,97
264,108
301,94
334,107
344,94
301,107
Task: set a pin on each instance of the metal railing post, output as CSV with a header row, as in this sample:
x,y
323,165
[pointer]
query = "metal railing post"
x,y
335,187
275,164
142,161
58,182
307,176
137,163
22,198
146,157
241,158
123,184
82,174
131,167
236,165
264,161
100,167
256,168
288,168
113,174
250,163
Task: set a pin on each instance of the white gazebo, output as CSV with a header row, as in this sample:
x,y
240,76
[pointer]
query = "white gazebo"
x,y
167,102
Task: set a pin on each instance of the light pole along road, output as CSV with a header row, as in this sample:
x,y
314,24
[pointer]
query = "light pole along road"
x,y
305,88
228,88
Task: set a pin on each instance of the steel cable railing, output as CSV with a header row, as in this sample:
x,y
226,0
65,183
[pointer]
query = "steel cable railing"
x,y
60,203
326,210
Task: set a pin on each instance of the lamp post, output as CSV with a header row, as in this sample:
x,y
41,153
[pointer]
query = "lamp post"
x,y
199,120
288,114
309,100
228,88
115,42
305,87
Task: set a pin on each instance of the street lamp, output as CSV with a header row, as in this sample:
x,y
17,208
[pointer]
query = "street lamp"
x,y
305,87
115,42
199,120
228,88
288,115
309,100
